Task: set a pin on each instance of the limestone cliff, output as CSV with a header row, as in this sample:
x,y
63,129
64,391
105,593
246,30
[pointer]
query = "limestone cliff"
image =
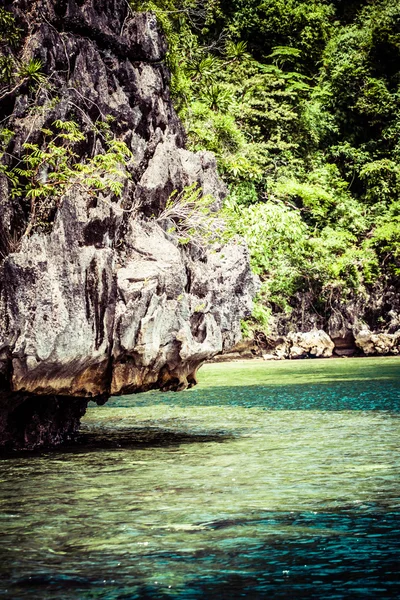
x,y
102,299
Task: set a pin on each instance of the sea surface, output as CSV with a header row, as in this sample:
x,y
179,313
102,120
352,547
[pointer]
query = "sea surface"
x,y
268,480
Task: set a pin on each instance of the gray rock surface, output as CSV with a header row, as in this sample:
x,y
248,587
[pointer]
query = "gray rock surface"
x,y
104,300
378,343
315,344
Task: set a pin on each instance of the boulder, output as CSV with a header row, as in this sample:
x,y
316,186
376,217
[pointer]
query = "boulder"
x,y
378,343
271,357
315,343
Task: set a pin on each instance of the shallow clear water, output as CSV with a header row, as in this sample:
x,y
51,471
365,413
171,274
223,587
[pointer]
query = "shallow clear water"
x,y
269,480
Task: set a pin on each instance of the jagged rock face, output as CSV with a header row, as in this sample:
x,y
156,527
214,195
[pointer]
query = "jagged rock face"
x,y
105,301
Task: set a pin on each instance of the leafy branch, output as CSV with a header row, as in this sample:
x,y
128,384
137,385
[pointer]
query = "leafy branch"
x,y
192,218
49,170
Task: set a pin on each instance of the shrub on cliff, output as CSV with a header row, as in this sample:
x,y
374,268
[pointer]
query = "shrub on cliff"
x,y
46,171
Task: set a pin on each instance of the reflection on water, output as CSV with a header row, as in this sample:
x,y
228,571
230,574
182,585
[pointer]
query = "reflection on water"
x,y
285,487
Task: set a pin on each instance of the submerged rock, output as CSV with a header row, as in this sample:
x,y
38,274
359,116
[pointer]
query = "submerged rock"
x,y
104,299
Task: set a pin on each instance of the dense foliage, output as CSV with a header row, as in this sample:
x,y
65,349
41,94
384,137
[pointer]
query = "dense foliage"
x,y
300,101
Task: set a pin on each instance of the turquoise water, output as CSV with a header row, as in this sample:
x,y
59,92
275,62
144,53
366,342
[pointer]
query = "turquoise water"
x,y
268,480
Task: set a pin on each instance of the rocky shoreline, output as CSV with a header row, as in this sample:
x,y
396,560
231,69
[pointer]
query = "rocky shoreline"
x,y
367,324
315,344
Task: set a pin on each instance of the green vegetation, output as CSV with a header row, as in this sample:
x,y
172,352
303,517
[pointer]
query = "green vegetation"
x,y
191,218
15,73
300,102
44,173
